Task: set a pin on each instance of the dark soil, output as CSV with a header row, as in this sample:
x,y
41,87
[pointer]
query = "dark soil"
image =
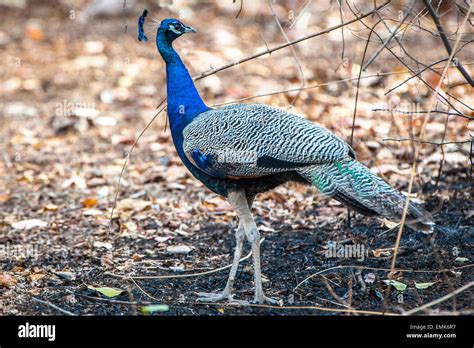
x,y
288,256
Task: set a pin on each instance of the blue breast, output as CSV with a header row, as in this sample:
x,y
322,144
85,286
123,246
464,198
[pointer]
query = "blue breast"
x,y
214,183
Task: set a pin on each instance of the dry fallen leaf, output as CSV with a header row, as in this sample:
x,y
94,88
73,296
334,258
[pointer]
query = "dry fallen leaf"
x,y
131,226
133,204
4,197
381,252
89,202
28,224
34,32
36,276
51,207
7,281
92,212
263,228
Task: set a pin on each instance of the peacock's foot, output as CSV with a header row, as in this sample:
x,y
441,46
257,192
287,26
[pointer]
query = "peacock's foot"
x,y
226,295
262,299
214,296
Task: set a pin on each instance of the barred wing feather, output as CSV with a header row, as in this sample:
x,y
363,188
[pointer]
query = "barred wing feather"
x,y
252,140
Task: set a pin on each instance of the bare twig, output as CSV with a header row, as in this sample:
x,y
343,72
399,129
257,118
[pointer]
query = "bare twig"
x,y
415,75
380,74
53,306
396,56
127,158
143,291
400,44
124,9
377,269
304,38
356,101
385,43
189,275
406,112
324,309
441,163
110,300
428,142
333,293
439,300
343,52
445,40
358,82
293,51
240,9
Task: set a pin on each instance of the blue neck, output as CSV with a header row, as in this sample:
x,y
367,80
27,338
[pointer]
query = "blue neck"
x,y
184,101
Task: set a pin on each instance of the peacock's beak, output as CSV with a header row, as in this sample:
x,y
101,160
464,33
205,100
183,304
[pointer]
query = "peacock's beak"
x,y
188,29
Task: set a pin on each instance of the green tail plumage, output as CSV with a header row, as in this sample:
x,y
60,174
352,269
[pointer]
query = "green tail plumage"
x,y
356,186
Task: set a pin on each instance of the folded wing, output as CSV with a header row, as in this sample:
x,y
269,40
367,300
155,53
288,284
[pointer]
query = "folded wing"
x,y
252,140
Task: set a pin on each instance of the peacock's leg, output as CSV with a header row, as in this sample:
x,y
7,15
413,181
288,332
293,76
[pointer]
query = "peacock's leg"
x,y
227,292
238,201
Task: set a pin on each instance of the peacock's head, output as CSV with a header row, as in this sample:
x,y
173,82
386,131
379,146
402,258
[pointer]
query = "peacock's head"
x,y
171,29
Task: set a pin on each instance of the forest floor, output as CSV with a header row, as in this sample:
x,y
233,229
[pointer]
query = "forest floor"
x,y
79,254
75,96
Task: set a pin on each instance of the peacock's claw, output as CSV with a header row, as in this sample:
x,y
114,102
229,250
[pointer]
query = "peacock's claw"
x,y
214,296
262,299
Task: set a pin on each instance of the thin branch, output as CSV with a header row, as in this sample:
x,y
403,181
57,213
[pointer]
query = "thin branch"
x,y
439,300
324,309
426,112
94,298
333,293
441,164
119,182
402,47
428,142
124,9
189,275
446,42
53,306
343,52
380,74
415,75
377,269
413,72
240,9
293,51
358,82
376,54
439,95
435,34
304,38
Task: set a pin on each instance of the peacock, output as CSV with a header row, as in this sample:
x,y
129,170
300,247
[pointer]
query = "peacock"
x,y
240,150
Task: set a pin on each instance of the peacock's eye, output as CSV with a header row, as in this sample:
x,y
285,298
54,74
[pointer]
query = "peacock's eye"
x,y
177,28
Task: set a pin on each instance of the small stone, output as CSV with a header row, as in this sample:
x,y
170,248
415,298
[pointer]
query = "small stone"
x,y
178,249
104,245
69,276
